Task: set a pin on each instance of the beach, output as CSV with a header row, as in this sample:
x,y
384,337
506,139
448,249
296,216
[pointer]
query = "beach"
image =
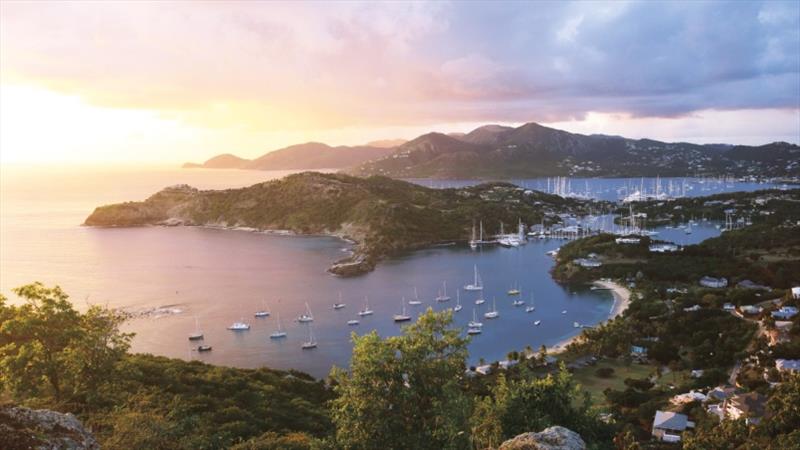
x,y
622,299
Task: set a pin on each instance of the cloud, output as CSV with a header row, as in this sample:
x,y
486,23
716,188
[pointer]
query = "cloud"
x,y
279,65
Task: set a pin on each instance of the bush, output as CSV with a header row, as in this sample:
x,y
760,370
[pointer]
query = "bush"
x,y
604,372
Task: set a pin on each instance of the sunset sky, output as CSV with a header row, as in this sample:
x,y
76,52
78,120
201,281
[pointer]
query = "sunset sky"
x,y
168,82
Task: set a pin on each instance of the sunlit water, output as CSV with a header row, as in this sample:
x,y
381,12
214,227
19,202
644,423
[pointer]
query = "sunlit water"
x,y
217,277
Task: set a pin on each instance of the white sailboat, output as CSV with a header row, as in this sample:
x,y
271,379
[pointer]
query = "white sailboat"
x,y
443,297
239,326
537,322
307,316
476,282
493,314
353,322
518,302
366,311
473,243
472,331
311,342
339,304
263,312
480,300
514,290
474,323
197,335
416,301
402,317
457,308
279,333
530,308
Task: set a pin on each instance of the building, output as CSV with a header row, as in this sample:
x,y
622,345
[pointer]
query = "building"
x,y
692,308
668,426
628,240
747,284
750,407
729,307
751,309
785,313
780,334
721,393
664,248
788,365
796,293
588,263
711,282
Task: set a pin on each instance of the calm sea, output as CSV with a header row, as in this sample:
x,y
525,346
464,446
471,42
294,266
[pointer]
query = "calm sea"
x,y
215,277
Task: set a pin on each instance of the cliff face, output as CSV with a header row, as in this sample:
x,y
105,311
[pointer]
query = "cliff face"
x,y
25,429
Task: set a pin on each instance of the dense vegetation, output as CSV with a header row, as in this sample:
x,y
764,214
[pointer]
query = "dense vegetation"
x,y
385,216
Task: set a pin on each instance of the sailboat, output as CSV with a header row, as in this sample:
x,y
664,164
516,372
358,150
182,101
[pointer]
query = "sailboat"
x,y
402,317
514,290
307,316
203,348
239,326
457,308
339,305
493,314
279,333
443,297
537,322
518,302
311,342
472,331
480,300
474,323
416,300
476,282
353,322
530,308
197,335
263,312
473,243
366,311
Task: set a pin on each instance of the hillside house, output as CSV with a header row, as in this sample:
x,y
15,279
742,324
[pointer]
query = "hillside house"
x,y
669,426
711,282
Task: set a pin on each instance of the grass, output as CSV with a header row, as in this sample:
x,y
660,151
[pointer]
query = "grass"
x,y
595,385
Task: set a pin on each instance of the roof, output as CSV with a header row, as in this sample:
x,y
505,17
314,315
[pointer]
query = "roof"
x,y
670,421
750,404
722,393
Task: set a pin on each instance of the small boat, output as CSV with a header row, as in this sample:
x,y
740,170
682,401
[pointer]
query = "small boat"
x,y
493,314
239,326
416,300
311,342
476,282
472,331
474,323
402,317
480,300
576,324
530,309
307,316
514,291
564,311
279,333
339,305
518,302
537,322
457,308
366,311
197,335
353,322
443,297
204,348
263,312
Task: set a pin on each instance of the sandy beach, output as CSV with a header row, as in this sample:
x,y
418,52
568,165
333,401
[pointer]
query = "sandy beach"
x,y
622,298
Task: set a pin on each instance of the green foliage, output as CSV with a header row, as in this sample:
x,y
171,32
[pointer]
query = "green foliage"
x,y
520,405
48,350
403,391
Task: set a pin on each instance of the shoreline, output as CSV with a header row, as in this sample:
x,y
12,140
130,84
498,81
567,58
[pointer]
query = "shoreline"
x,y
622,299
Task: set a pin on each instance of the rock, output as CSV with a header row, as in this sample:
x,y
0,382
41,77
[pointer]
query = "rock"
x,y
553,438
41,429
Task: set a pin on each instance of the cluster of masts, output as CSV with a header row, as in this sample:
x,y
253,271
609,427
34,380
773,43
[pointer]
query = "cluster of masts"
x,y
307,317
505,239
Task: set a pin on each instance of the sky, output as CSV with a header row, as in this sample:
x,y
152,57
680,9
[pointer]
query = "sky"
x,y
92,82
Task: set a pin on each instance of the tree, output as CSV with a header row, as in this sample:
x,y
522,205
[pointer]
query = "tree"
x,y
49,350
403,391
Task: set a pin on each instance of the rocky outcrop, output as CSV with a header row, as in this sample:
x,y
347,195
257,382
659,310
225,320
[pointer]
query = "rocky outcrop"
x,y
41,429
553,438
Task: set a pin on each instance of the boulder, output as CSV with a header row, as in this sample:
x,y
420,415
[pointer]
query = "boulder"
x,y
42,429
553,438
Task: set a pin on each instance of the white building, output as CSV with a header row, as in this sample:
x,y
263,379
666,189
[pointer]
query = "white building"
x,y
664,248
668,426
712,282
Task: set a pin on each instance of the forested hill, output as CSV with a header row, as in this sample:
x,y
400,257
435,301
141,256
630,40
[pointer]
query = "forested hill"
x,y
530,150
384,216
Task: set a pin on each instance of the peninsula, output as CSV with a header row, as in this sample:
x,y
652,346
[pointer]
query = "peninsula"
x,y
381,215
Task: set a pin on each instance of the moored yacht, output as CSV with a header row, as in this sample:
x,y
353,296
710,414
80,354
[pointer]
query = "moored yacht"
x,y
402,317
339,304
307,316
493,314
239,326
416,301
476,284
457,308
474,322
443,297
366,311
263,312
311,342
197,335
279,333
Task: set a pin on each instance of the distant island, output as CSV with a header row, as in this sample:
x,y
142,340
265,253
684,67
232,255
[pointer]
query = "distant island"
x,y
309,156
531,150
381,215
